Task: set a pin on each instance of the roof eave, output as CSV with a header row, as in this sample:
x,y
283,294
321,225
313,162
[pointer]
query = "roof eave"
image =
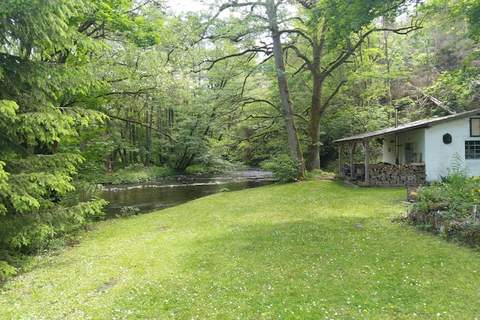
x,y
381,134
388,131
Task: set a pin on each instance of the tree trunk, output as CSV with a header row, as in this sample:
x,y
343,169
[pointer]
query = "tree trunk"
x,y
287,108
316,107
387,61
313,158
148,142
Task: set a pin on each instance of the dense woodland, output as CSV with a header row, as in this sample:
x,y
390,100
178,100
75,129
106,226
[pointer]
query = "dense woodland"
x,y
88,88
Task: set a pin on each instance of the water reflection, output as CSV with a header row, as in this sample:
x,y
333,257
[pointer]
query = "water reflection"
x,y
150,196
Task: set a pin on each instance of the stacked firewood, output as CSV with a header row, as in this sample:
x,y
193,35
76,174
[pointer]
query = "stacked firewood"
x,y
385,174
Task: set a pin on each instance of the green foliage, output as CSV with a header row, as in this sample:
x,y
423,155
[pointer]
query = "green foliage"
x,y
136,174
6,271
458,88
466,10
51,85
472,11
284,168
195,169
449,208
343,18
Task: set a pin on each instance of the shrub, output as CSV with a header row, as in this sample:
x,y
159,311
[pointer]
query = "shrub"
x,y
136,174
214,166
449,208
195,169
127,211
25,234
284,168
6,271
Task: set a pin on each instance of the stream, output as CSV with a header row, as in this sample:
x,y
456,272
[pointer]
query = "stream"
x,y
172,191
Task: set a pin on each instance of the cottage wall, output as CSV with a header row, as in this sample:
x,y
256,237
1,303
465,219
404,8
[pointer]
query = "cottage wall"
x,y
439,157
416,137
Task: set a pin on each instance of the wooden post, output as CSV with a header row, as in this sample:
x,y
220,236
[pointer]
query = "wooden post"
x,y
397,150
352,165
340,171
367,160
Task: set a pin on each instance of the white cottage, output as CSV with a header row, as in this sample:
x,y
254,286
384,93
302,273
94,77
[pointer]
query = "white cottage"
x,y
418,151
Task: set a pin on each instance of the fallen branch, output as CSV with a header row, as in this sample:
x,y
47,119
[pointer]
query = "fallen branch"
x,y
434,100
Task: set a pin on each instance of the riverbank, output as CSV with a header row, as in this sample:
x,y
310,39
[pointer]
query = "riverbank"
x,y
135,174
140,174
138,198
315,250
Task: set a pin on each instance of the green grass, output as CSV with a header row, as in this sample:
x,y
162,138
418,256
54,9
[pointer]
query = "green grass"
x,y
314,250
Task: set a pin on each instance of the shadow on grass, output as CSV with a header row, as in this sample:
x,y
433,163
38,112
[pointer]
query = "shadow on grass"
x,y
351,267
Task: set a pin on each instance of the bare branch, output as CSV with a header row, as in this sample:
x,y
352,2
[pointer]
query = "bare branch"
x,y
302,67
307,4
232,37
251,72
250,100
127,93
143,4
300,54
213,62
292,19
225,6
334,93
299,32
236,4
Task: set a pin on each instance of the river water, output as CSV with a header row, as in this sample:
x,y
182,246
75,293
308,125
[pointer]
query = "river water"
x,y
150,196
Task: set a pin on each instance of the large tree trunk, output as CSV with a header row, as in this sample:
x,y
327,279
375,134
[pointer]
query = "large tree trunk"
x,y
316,107
287,108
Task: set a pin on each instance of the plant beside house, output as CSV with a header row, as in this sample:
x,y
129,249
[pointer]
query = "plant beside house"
x,y
450,208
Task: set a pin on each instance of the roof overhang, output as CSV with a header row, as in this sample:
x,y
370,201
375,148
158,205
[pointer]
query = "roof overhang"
x,y
407,127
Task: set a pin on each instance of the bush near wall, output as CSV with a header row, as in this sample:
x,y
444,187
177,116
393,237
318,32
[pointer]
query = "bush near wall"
x,y
450,208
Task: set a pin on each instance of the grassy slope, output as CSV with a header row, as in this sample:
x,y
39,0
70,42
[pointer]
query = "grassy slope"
x,y
313,250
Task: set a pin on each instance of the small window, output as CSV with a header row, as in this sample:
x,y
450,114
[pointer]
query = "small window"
x,y
447,138
472,149
475,127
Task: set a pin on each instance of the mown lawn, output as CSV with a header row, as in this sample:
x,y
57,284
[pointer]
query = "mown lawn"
x,y
314,250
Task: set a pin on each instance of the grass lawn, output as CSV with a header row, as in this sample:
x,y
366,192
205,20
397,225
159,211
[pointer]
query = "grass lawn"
x,y
313,250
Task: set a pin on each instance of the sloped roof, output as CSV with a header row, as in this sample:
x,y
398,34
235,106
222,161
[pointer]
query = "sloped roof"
x,y
408,126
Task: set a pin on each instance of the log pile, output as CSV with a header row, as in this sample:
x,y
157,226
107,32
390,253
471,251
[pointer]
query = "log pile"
x,y
385,174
